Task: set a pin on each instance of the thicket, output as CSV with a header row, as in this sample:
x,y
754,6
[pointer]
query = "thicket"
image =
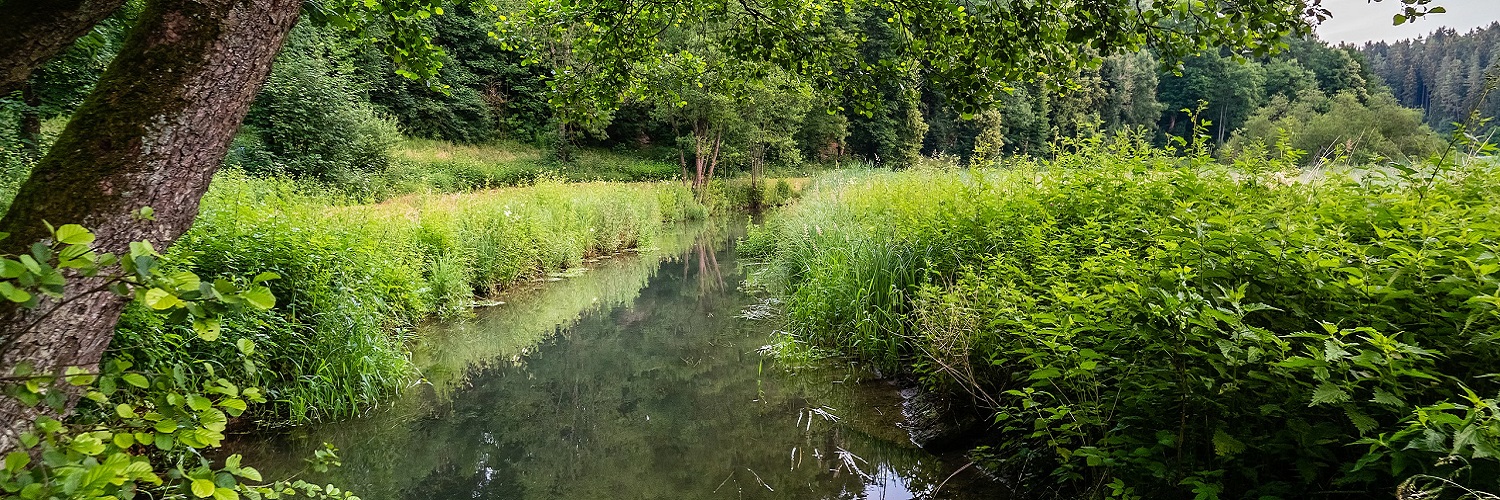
x,y
314,119
1337,128
1138,324
356,278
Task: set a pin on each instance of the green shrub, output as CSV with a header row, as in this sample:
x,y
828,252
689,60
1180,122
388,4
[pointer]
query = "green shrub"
x,y
1143,325
356,278
1339,128
312,118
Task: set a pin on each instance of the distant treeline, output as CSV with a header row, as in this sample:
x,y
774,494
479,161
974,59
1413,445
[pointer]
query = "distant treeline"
x,y
1443,73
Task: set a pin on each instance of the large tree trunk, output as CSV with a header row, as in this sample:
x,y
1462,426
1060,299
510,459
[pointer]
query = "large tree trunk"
x,y
33,31
153,133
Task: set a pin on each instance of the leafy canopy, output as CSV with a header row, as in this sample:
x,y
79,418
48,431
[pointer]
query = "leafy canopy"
x,y
970,50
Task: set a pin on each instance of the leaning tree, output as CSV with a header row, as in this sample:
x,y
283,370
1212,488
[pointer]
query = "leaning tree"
x,y
157,126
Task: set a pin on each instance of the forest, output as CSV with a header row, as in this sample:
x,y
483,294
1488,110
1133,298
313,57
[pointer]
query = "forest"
x,y
1132,250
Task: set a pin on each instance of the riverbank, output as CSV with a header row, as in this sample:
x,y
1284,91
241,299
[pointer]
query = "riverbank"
x,y
1134,323
636,379
356,279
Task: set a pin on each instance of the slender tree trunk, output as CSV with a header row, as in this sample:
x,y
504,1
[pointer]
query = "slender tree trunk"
x,y
33,31
757,164
699,137
153,133
714,160
681,154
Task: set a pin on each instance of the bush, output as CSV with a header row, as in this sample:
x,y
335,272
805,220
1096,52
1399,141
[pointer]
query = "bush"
x,y
356,278
313,119
1338,128
1142,325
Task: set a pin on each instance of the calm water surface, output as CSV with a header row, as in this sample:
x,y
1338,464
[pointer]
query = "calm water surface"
x,y
634,380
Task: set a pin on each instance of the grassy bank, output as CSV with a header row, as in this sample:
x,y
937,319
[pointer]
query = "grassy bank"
x,y
356,278
423,165
1136,324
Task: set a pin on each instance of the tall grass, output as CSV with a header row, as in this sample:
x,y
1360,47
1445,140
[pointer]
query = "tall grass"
x,y
356,278
1145,325
435,166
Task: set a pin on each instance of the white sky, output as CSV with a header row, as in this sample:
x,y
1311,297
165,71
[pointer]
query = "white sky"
x,y
1360,21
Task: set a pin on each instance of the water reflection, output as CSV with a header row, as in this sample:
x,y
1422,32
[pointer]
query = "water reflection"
x,y
635,380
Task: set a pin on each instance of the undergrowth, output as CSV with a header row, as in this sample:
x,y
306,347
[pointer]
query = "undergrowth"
x,y
1145,325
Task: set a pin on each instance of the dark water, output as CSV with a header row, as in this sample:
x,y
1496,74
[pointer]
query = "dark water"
x,y
634,380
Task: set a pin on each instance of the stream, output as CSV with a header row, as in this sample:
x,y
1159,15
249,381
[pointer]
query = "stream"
x,y
637,379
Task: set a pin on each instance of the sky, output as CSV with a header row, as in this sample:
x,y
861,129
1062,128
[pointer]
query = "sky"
x,y
1359,21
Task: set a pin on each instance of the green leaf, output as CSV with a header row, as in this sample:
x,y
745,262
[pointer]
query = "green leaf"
x,y
1226,445
14,294
208,329
260,297
234,406
1328,393
136,379
1363,422
225,494
87,445
73,234
125,411
199,403
213,420
166,426
1387,398
1045,374
10,268
249,473
16,460
159,299
203,488
31,264
124,440
265,276
246,346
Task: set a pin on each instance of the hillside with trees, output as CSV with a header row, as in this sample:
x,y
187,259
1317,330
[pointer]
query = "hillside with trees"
x,y
1446,74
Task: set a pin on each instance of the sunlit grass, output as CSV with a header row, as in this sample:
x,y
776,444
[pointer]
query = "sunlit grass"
x,y
356,278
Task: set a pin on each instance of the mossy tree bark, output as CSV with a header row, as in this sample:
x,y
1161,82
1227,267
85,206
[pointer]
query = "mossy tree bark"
x,y
35,30
152,134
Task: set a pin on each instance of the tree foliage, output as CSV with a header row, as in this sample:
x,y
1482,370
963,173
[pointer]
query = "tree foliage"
x,y
1338,127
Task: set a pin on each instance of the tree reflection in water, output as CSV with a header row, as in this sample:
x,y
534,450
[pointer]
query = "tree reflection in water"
x,y
656,393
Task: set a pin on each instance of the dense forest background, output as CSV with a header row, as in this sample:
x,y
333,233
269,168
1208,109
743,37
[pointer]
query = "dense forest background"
x,y
335,107
1442,74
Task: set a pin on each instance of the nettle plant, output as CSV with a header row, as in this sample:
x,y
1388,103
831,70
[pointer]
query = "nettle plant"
x,y
134,433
